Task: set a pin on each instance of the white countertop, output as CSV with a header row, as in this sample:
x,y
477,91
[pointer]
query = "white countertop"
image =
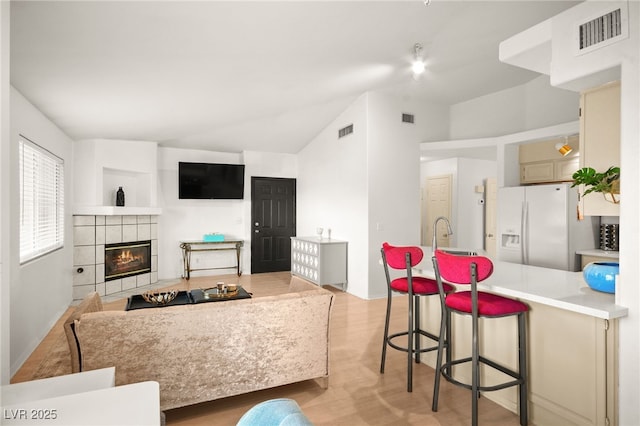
x,y
551,287
599,253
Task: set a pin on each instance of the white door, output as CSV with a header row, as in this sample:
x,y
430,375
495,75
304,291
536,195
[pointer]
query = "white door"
x,y
438,203
490,197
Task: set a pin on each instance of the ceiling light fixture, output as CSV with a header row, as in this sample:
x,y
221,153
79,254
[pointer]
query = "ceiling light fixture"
x,y
564,148
418,62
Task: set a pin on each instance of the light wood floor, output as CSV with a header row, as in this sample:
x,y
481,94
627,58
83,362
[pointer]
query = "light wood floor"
x,y
358,394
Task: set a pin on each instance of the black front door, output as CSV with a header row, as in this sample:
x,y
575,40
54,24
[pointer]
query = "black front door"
x,y
273,220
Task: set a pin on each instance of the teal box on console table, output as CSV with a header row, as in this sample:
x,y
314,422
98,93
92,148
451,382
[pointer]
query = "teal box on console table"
x,y
213,238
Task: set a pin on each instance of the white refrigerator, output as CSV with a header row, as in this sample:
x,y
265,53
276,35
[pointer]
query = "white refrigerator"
x,y
538,225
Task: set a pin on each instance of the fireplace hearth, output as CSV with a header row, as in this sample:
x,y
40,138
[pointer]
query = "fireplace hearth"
x,y
127,259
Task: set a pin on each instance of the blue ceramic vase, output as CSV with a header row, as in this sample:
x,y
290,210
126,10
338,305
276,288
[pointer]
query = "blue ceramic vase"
x,y
601,276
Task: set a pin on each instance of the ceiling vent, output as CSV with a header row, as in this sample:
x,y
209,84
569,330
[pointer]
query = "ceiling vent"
x,y
408,118
602,31
345,131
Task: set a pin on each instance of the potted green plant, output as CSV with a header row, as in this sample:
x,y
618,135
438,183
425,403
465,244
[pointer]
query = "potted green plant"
x,y
607,183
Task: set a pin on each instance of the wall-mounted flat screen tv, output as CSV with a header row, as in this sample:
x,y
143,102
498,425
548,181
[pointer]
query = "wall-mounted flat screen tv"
x,y
210,181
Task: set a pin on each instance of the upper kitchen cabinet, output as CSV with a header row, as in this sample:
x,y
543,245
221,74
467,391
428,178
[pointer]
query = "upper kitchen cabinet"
x,y
541,162
600,141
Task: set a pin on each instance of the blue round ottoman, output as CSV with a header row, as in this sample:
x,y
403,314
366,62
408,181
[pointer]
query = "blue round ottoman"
x,y
275,412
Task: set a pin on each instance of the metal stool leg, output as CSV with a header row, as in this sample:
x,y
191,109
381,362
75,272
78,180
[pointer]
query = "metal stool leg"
x,y
410,346
475,372
442,342
385,338
522,369
416,327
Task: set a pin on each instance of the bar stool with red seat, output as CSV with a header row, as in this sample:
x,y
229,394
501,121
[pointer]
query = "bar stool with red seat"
x,y
471,270
405,258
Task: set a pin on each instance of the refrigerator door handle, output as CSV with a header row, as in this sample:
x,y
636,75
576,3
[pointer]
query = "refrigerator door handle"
x,y
524,233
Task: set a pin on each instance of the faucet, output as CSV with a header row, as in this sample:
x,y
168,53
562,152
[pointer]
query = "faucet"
x,y
434,243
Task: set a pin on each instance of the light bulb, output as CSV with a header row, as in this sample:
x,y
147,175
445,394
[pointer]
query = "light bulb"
x,y
417,67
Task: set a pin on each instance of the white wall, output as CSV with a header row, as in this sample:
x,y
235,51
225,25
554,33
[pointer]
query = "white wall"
x,y
49,276
191,219
366,186
467,215
333,191
580,72
470,217
103,165
393,157
525,107
5,226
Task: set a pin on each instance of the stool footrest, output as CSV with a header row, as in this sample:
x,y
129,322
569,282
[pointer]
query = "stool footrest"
x,y
446,367
406,333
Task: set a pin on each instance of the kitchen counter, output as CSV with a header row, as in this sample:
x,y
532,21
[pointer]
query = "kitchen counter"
x,y
599,253
550,287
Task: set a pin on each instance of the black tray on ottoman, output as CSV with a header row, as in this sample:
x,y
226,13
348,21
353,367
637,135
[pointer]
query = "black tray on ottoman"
x,y
198,296
137,302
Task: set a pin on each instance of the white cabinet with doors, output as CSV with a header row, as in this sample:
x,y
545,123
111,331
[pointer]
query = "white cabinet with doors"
x,y
319,260
537,172
564,169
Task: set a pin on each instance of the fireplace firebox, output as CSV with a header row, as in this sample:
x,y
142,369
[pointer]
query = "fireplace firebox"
x,y
123,260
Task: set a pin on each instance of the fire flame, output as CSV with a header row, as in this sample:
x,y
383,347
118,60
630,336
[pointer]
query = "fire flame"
x,y
127,257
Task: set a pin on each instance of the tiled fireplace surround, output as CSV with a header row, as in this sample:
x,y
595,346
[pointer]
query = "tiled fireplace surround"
x,y
91,233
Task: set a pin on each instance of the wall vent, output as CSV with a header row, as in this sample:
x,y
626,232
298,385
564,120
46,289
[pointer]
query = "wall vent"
x,y
602,31
408,118
345,131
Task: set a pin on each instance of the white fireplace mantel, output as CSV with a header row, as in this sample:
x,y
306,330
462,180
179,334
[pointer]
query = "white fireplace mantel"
x,y
113,211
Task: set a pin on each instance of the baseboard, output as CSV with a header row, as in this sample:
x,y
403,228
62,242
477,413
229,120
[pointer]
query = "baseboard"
x,y
24,356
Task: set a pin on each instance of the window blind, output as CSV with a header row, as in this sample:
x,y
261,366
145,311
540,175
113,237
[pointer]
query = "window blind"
x,y
41,201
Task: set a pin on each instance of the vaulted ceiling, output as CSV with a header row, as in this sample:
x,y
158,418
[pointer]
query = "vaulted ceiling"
x,y
265,76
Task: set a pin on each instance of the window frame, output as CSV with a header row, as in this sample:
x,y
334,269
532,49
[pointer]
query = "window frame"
x,y
41,184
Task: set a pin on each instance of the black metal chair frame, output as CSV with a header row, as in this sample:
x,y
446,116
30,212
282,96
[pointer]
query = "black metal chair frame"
x,y
413,332
520,376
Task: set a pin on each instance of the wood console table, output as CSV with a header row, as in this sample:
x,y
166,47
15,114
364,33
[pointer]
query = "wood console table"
x,y
187,249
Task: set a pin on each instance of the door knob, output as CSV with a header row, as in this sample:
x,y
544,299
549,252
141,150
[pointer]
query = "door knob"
x,y
257,231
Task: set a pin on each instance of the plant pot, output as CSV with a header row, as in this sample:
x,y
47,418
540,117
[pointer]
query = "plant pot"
x,y
612,198
601,276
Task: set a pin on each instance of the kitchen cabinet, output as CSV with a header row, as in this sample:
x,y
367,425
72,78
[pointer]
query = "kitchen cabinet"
x,y
572,362
600,141
537,172
540,162
564,169
319,260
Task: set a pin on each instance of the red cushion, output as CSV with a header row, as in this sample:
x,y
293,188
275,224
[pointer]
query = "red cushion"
x,y
396,255
421,285
489,304
456,269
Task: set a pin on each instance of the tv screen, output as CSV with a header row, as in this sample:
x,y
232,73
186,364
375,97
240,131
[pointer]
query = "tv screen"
x,y
210,181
